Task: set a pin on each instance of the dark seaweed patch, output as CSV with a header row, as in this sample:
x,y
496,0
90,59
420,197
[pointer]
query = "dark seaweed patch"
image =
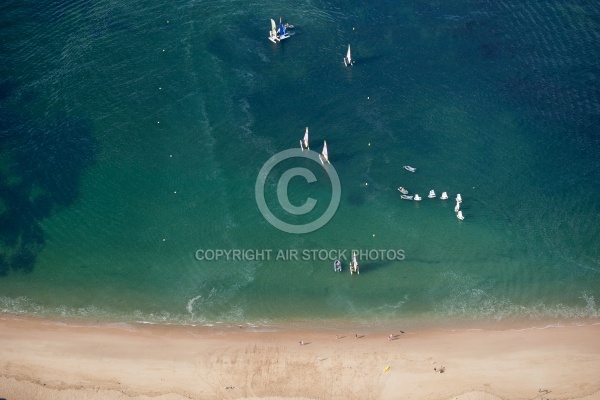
x,y
41,164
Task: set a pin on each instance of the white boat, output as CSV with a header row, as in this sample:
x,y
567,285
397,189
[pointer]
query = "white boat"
x,y
348,58
278,34
402,190
460,216
431,194
405,197
409,168
417,197
304,142
457,207
444,196
337,266
324,157
458,198
354,265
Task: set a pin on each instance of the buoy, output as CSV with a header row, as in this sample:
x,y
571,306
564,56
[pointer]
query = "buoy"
x,y
164,240
159,88
170,155
366,183
373,235
175,192
369,144
158,122
368,98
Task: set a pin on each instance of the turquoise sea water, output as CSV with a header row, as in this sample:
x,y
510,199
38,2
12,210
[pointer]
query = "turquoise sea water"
x,y
133,133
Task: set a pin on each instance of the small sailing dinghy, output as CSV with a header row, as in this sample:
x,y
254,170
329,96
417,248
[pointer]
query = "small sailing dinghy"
x,y
444,196
304,142
402,190
278,34
460,215
348,58
409,168
458,198
457,207
337,266
354,265
324,157
417,197
431,194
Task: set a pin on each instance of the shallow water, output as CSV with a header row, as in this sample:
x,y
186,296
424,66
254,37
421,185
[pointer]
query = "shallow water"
x,y
134,134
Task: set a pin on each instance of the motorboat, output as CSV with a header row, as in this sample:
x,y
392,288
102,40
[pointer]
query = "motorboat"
x,y
402,190
405,197
409,168
460,215
431,194
417,197
337,266
458,198
444,196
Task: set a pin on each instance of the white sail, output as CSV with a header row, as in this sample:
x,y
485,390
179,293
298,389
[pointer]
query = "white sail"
x,y
325,155
273,27
348,58
354,265
306,138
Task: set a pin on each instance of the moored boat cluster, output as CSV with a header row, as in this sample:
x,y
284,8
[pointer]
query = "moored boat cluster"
x,y
405,196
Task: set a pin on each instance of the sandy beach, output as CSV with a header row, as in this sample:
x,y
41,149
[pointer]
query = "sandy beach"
x,y
43,359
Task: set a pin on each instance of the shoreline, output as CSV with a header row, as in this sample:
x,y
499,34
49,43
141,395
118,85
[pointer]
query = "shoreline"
x,y
44,358
421,323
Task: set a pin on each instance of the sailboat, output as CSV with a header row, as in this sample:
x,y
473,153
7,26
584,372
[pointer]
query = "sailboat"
x,y
354,265
348,59
305,140
325,158
277,34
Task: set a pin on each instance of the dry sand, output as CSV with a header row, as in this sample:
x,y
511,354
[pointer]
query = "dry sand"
x,y
42,359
